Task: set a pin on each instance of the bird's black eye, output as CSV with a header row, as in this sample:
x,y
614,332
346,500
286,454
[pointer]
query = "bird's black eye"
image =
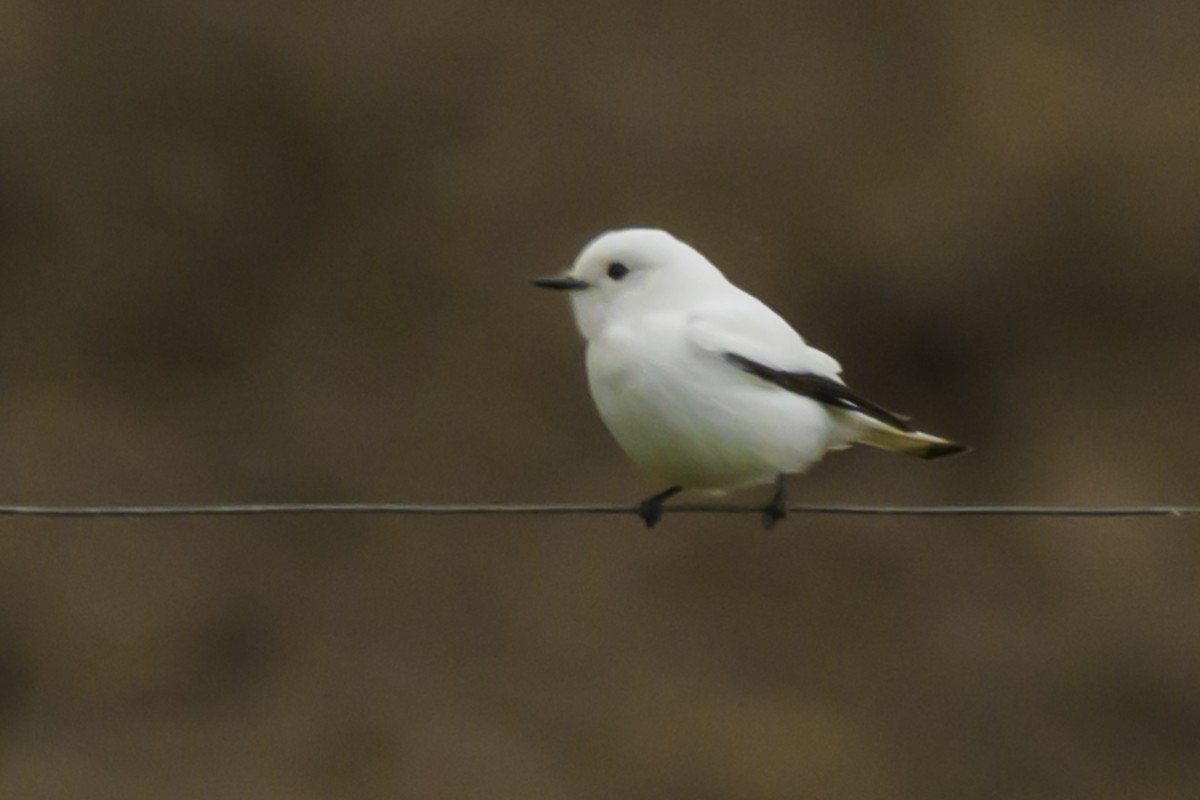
x,y
617,270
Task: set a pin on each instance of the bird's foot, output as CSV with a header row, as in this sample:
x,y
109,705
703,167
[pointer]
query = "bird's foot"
x,y
777,509
651,509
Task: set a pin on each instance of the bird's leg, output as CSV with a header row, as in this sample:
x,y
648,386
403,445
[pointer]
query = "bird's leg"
x,y
650,509
777,509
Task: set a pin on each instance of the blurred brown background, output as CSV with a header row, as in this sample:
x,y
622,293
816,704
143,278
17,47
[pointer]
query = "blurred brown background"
x,y
267,251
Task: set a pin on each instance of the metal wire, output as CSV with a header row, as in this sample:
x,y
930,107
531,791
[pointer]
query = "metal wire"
x,y
501,509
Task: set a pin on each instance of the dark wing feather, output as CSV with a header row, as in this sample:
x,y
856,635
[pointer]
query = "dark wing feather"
x,y
820,388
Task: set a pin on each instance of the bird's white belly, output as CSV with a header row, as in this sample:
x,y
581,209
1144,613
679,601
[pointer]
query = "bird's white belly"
x,y
702,424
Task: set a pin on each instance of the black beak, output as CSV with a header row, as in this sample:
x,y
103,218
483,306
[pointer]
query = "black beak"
x,y
562,284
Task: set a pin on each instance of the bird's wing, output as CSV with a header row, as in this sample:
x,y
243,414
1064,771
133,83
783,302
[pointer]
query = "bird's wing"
x,y
744,325
824,390
758,341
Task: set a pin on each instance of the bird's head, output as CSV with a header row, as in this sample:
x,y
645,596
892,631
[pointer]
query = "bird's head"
x,y
633,271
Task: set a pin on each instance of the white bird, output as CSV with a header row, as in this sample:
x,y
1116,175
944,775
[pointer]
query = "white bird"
x,y
703,385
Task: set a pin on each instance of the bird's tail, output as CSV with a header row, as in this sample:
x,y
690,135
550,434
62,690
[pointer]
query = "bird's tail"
x,y
913,443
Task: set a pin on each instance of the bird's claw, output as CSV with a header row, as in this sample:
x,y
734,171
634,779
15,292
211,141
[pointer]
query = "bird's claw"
x,y
772,514
650,511
777,509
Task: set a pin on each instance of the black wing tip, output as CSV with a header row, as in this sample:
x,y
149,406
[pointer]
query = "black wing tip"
x,y
943,449
833,393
